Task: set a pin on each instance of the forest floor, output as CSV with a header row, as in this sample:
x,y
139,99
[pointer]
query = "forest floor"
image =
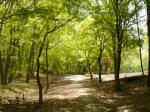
x,y
79,94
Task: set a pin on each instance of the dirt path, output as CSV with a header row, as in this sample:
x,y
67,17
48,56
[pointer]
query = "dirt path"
x,y
69,87
76,93
108,77
73,86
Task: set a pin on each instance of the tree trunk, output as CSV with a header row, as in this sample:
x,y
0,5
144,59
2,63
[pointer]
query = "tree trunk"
x,y
30,64
1,69
117,85
27,77
39,83
32,60
7,64
91,75
10,79
148,25
141,61
38,68
100,72
11,76
140,46
117,41
53,74
117,59
47,72
100,66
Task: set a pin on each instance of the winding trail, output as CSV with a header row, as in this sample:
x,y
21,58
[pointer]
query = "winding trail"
x,y
69,87
77,93
73,86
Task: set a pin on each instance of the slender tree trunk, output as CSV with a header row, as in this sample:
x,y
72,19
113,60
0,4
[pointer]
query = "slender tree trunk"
x,y
141,61
7,64
47,72
39,83
1,69
53,74
100,72
1,63
89,68
32,60
38,69
11,76
148,25
100,66
30,64
1,59
140,46
91,75
27,77
10,79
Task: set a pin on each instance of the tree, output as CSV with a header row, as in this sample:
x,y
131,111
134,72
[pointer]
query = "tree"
x,y
121,20
101,41
39,55
6,10
140,44
148,26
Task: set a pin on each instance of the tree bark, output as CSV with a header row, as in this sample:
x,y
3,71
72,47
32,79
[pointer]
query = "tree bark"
x,y
117,70
10,79
1,69
27,77
117,41
6,74
148,25
39,83
117,85
7,65
100,66
30,64
38,69
90,71
47,72
140,45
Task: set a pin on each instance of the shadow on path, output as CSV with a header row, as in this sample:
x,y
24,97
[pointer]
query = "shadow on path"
x,y
79,94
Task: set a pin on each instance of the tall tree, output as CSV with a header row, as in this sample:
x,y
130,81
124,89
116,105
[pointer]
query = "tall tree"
x,y
48,31
148,26
139,37
101,41
122,17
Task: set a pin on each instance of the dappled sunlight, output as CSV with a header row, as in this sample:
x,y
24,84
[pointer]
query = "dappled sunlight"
x,y
74,78
84,95
126,108
109,77
69,91
110,101
69,88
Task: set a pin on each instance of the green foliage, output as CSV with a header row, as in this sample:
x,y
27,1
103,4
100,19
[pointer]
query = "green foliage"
x,y
81,27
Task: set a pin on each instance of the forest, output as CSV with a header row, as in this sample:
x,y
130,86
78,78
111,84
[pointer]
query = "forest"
x,y
74,55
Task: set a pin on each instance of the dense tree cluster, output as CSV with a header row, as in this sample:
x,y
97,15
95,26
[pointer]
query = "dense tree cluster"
x,y
71,37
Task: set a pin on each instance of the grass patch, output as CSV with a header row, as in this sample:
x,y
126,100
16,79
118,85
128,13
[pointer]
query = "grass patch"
x,y
17,89
19,85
